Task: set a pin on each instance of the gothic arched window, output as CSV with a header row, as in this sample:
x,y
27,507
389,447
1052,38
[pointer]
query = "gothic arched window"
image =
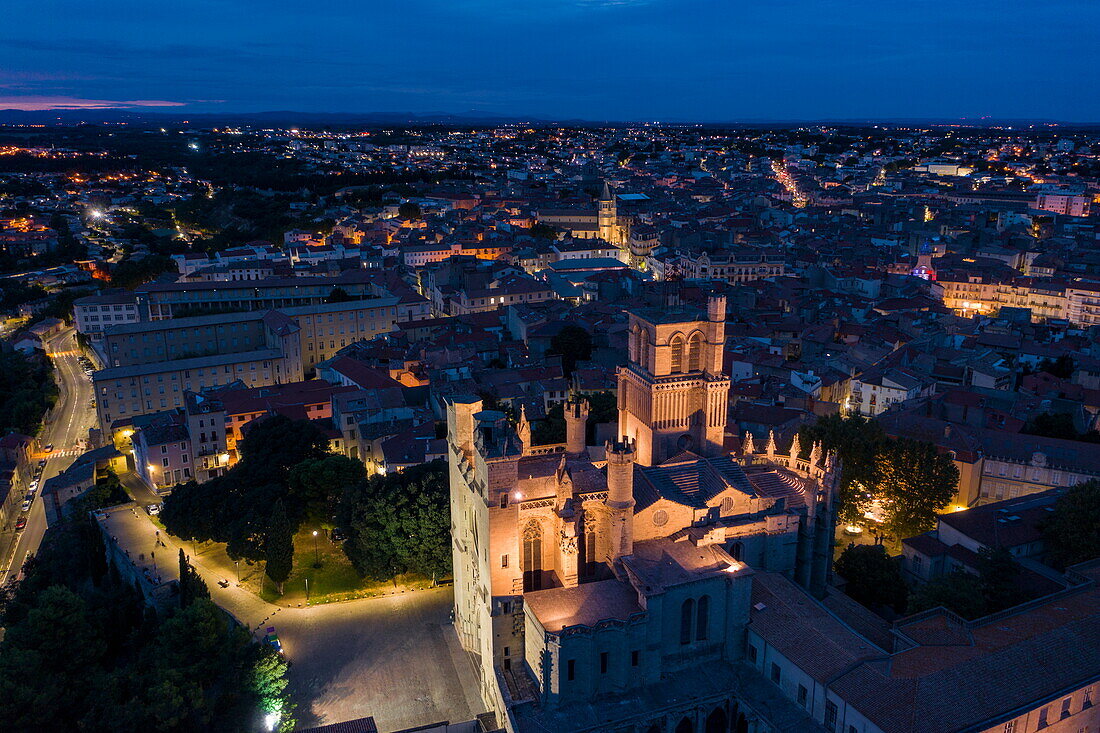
x,y
532,557
677,345
695,352
702,618
687,618
586,549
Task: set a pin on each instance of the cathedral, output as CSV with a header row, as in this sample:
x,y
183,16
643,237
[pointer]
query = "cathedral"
x,y
608,588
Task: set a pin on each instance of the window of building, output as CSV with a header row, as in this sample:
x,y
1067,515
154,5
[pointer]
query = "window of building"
x,y
677,349
752,654
504,500
695,352
532,557
702,618
777,674
504,561
1043,717
634,658
1065,707
603,662
803,695
1010,727
830,715
687,613
571,670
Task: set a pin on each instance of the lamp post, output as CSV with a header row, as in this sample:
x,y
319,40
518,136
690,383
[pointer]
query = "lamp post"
x,y
307,590
316,552
237,565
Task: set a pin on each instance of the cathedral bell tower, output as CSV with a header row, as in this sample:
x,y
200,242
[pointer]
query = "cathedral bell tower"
x,y
672,393
607,216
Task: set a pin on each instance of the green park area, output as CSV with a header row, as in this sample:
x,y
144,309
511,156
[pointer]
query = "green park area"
x,y
255,524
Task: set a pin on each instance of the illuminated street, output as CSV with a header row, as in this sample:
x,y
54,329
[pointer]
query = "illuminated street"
x,y
67,424
787,181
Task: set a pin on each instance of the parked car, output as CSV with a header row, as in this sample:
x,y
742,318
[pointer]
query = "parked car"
x,y
49,447
42,463
34,485
272,640
153,509
27,505
20,523
337,535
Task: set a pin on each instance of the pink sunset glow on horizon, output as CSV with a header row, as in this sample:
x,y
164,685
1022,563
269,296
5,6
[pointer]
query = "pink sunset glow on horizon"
x,y
39,104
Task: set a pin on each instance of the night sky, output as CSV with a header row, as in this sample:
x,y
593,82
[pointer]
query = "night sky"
x,y
670,60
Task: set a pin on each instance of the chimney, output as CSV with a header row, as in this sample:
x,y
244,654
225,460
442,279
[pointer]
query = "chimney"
x,y
576,419
620,496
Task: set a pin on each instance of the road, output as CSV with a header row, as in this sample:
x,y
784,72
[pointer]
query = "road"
x,y
67,423
396,658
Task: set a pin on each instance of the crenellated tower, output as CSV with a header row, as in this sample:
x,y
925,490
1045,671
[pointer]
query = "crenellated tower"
x,y
576,421
620,497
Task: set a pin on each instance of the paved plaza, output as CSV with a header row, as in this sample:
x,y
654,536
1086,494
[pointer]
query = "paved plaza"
x,y
395,658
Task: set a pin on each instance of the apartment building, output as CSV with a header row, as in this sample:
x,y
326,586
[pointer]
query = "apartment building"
x,y
153,364
95,313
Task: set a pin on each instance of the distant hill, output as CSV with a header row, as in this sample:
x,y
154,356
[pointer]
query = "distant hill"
x,y
472,118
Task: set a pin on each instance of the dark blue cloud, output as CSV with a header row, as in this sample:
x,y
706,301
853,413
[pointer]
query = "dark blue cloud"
x,y
600,59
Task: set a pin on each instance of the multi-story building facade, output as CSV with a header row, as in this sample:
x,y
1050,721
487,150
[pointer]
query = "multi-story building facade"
x,y
162,453
151,365
878,389
735,266
157,301
95,313
994,464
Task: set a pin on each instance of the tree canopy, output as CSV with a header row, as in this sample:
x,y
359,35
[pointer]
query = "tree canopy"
x,y
83,652
399,523
960,592
909,479
316,485
236,507
279,546
27,392
873,577
573,344
914,483
858,443
1072,531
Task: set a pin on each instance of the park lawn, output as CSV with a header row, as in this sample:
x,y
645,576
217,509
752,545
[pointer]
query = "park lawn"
x,y
336,579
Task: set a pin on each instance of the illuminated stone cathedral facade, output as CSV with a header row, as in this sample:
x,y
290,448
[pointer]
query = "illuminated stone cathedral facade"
x,y
608,588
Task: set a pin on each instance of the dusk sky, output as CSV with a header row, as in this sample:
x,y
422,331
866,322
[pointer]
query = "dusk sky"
x,y
705,60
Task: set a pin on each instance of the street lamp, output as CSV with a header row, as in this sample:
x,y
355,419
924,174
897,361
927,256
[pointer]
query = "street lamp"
x,y
316,552
237,565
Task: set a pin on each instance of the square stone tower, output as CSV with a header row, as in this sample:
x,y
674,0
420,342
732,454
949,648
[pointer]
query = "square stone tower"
x,y
672,393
